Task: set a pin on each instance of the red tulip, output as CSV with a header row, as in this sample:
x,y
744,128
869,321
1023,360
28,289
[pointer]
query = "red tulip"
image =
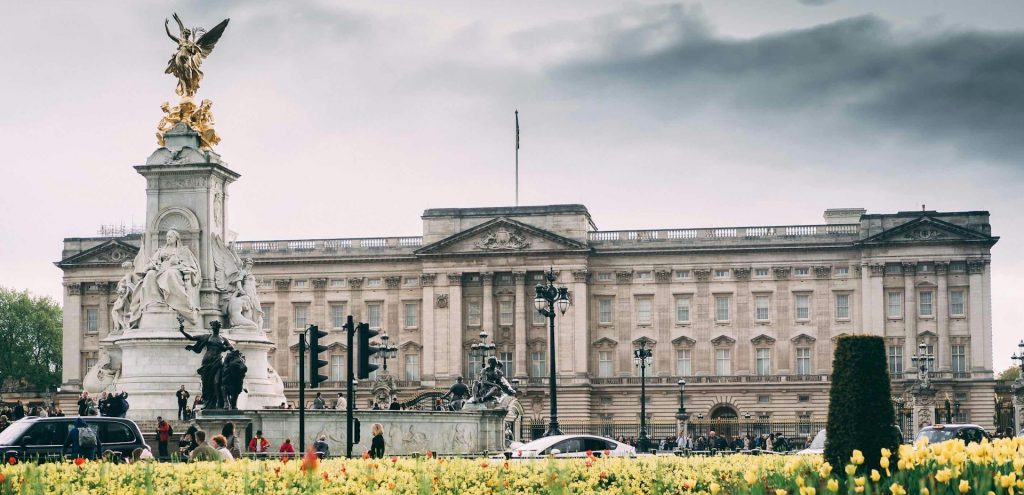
x,y
79,461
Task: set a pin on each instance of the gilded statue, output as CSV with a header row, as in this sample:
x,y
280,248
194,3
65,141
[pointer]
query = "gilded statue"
x,y
194,45
199,118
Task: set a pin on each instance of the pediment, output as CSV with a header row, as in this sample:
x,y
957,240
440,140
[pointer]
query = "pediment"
x,y
605,342
926,335
501,236
683,341
763,339
644,341
723,340
803,339
841,335
410,345
112,252
926,229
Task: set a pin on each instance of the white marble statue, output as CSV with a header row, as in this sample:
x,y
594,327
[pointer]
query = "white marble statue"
x,y
233,277
121,312
170,277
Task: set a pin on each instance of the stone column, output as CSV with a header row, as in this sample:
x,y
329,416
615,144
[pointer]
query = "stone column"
x,y
318,314
392,317
355,305
72,338
664,318
454,333
975,313
924,409
873,301
524,305
909,310
624,321
428,328
943,353
487,318
580,297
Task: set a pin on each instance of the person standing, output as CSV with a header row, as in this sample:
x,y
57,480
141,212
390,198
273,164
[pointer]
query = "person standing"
x,y
231,441
258,444
377,444
82,441
163,436
340,403
182,396
3,422
19,411
221,445
319,402
321,448
287,450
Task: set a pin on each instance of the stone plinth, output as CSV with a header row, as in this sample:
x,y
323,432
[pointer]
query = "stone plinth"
x,y
405,432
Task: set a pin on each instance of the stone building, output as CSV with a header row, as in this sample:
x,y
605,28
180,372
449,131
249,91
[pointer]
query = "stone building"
x,y
747,315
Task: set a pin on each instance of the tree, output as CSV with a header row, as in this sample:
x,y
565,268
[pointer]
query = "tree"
x,y
1010,374
860,409
31,340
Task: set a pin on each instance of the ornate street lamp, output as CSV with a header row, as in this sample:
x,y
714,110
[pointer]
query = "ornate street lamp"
x,y
681,415
923,361
387,351
1019,356
547,297
482,349
643,358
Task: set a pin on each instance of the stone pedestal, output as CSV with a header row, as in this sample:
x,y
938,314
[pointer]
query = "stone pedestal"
x,y
212,422
924,408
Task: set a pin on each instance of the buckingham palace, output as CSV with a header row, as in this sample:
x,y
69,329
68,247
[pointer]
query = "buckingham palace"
x,y
747,316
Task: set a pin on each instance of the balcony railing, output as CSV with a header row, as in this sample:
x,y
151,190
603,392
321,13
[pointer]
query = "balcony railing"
x,y
731,234
364,245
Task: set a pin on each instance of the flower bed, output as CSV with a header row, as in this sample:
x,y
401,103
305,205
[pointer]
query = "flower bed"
x,y
948,468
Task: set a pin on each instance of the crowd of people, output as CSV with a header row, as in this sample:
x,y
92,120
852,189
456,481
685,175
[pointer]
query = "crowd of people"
x,y
775,442
113,404
9,414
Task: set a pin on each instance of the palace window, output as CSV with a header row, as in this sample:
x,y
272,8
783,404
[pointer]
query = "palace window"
x,y
721,273
723,362
803,360
338,319
337,282
893,269
92,319
373,315
89,363
959,360
801,271
604,311
721,308
505,312
925,308
508,361
957,266
268,315
929,350
643,311
538,368
761,308
683,309
373,283
473,311
760,272
538,319
300,312
684,363
412,367
956,303
644,276
473,364
842,306
604,276
412,313
338,368
301,284
683,274
605,365
894,304
803,307
411,281
764,362
841,270
895,360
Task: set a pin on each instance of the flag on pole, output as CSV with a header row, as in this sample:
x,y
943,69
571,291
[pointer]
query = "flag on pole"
x,y
517,129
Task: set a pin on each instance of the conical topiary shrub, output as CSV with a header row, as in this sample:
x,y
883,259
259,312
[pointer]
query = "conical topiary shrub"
x,y
860,410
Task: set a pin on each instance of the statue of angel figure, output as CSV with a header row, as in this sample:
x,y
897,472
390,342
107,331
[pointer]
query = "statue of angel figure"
x,y
233,277
120,313
194,45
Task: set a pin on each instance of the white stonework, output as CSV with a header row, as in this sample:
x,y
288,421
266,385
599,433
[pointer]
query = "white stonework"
x,y
749,314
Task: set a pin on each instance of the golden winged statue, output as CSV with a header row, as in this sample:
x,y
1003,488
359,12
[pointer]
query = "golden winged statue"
x,y
194,45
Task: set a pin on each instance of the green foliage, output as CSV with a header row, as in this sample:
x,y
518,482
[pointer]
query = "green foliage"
x,y
1010,374
31,330
860,410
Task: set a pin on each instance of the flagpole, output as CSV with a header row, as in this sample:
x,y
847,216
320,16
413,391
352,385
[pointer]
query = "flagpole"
x,y
517,157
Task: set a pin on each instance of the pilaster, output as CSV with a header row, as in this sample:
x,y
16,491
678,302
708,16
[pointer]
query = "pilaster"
x,y
581,323
487,318
909,309
71,371
454,333
943,357
429,328
519,277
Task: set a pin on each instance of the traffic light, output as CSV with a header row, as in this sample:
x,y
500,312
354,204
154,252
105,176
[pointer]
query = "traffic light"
x,y
315,363
366,350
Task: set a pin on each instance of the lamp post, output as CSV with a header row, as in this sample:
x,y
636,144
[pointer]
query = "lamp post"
x,y
1019,356
482,349
643,358
547,297
923,361
387,351
1018,389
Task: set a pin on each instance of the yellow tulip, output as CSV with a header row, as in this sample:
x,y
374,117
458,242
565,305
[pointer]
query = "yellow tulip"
x,y
715,488
825,470
875,476
850,469
897,489
857,458
780,491
833,485
964,486
750,477
944,475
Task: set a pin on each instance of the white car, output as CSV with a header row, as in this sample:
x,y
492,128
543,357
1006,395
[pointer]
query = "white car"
x,y
570,446
817,445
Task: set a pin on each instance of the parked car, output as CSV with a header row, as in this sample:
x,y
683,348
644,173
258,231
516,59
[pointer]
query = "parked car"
x,y
570,446
43,438
817,445
969,433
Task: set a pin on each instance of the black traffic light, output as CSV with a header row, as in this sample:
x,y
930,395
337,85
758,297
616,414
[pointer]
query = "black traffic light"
x,y
366,350
315,363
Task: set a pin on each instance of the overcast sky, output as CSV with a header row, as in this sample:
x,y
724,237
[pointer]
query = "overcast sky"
x,y
349,119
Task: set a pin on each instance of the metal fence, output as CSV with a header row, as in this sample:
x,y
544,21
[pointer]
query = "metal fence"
x,y
798,432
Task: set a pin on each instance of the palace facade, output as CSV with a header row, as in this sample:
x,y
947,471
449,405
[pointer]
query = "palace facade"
x,y
748,316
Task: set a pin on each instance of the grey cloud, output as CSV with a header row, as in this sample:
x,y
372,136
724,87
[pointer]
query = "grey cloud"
x,y
951,87
816,3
